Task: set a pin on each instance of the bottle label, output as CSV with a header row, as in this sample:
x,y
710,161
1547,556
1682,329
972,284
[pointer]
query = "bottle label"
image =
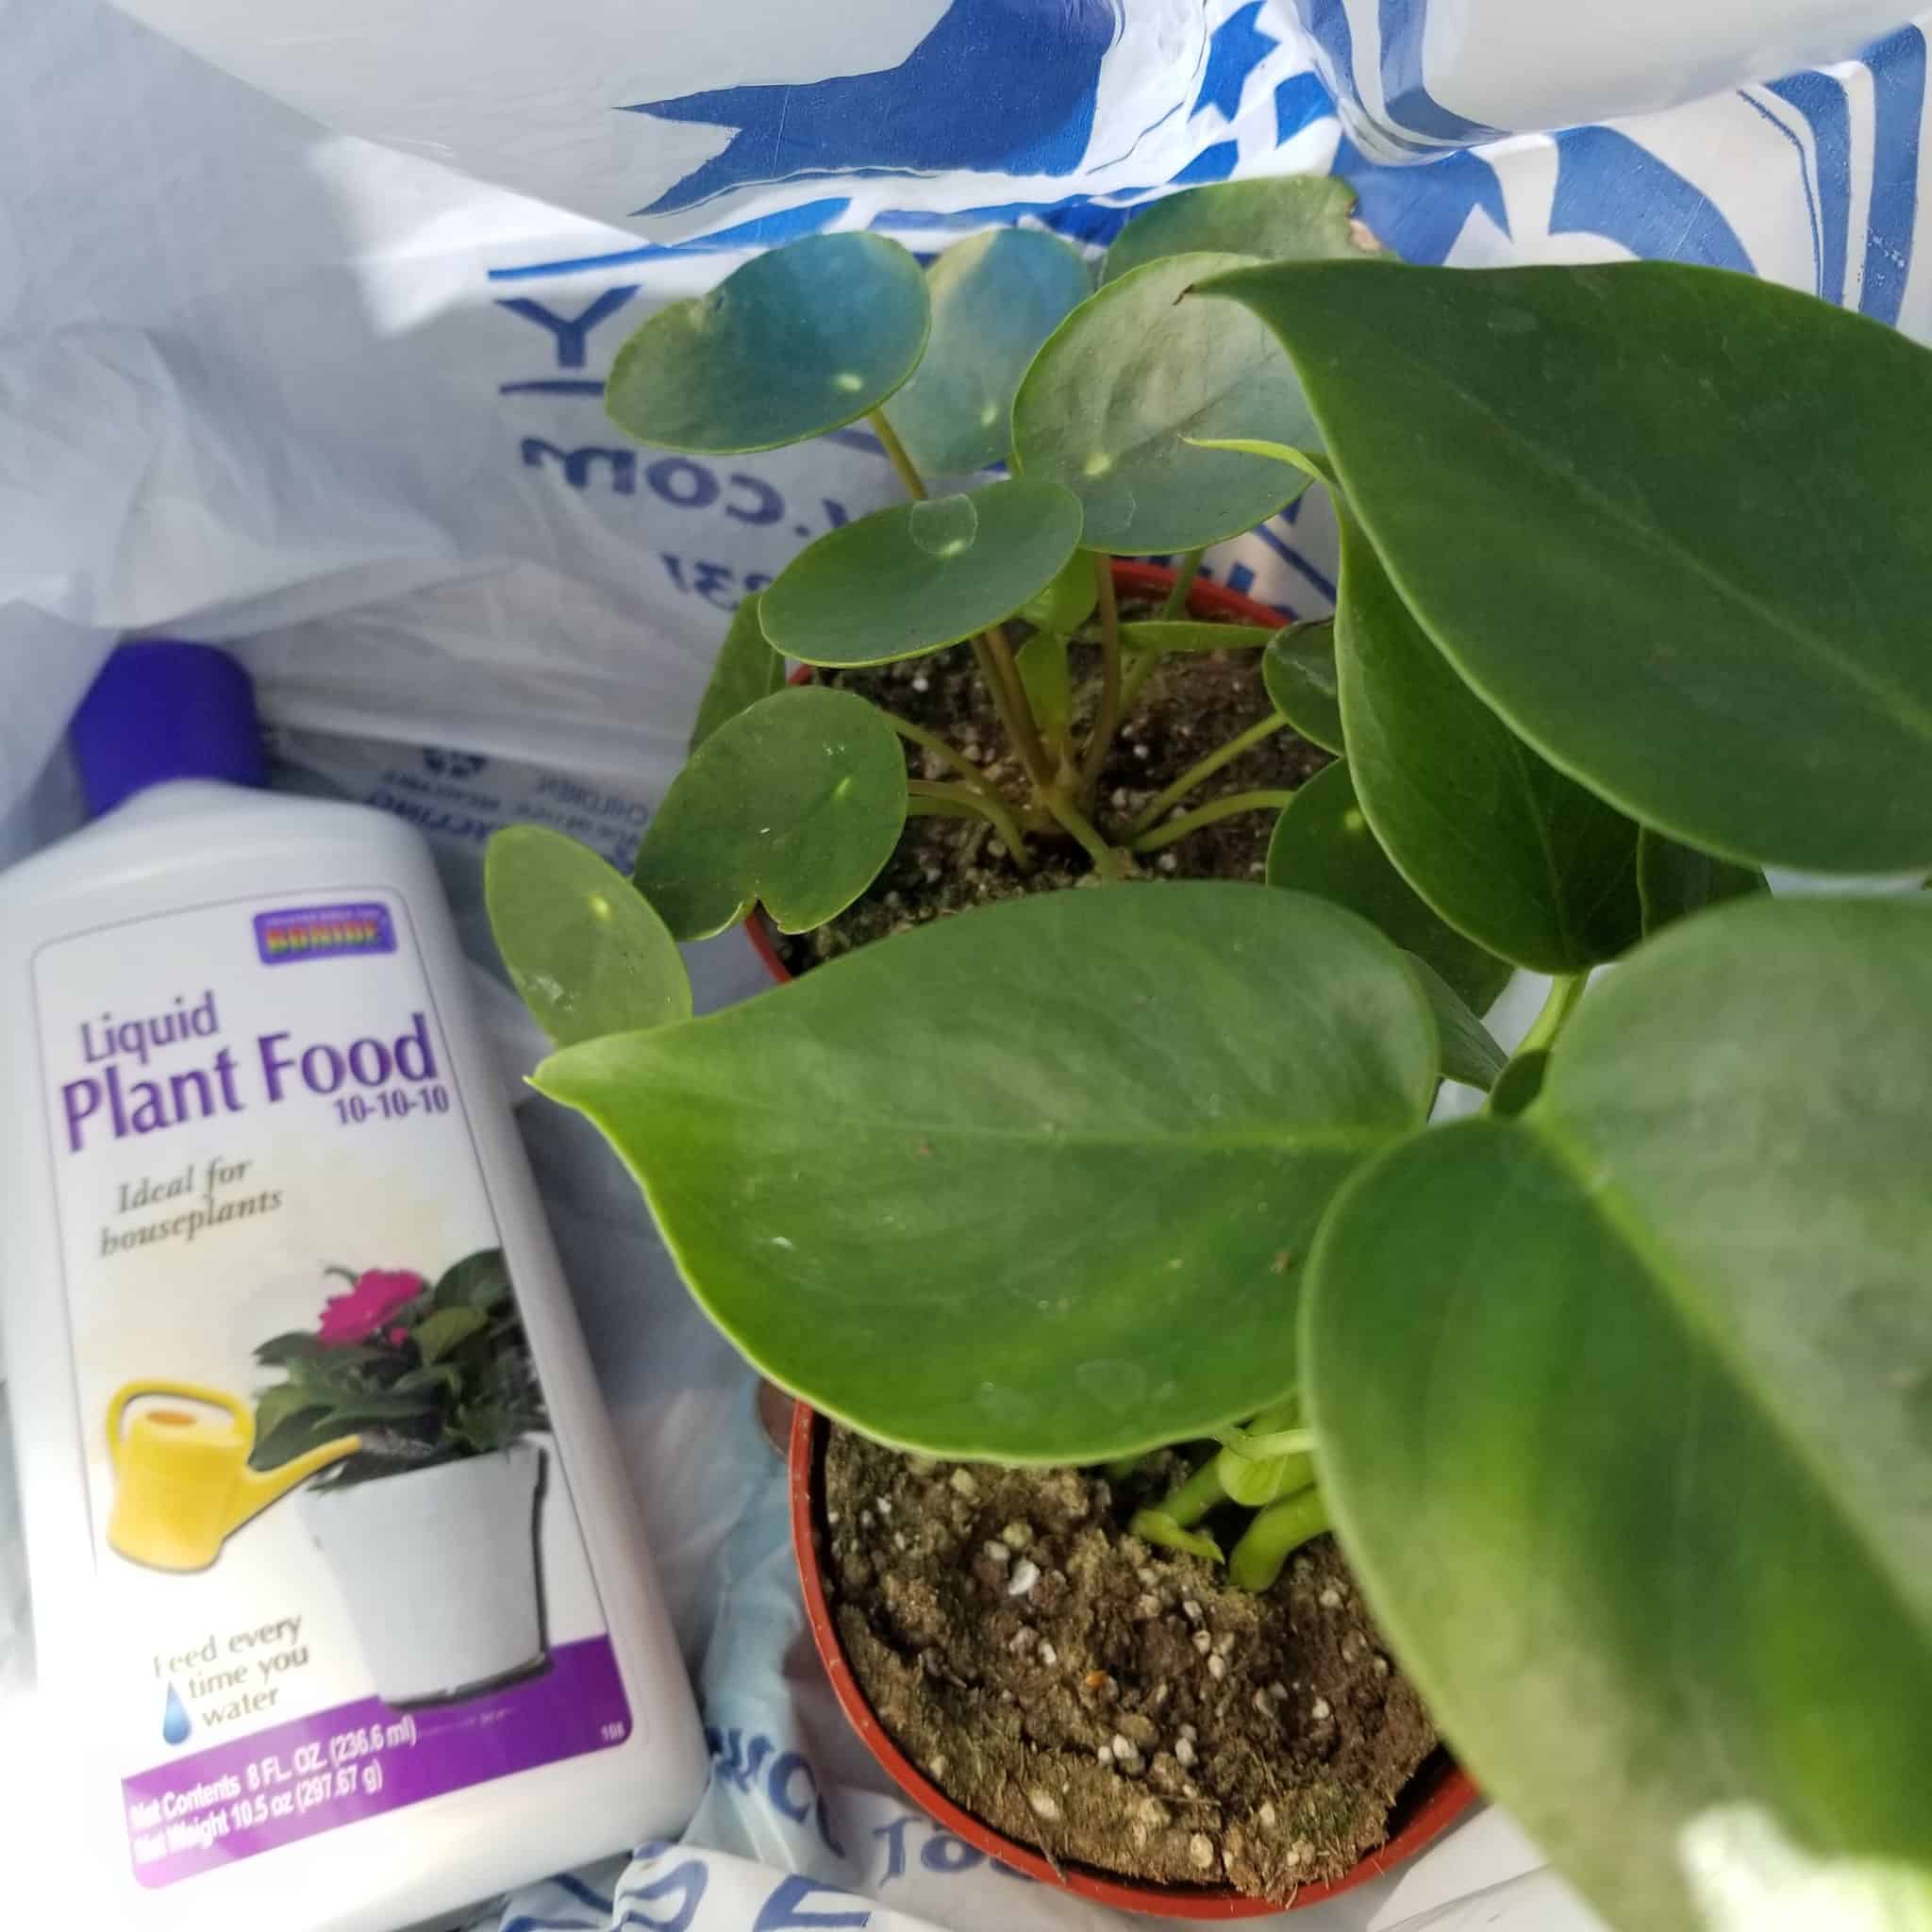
x,y
339,1568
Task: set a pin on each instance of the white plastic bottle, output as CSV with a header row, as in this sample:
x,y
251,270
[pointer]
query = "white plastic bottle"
x,y
338,1593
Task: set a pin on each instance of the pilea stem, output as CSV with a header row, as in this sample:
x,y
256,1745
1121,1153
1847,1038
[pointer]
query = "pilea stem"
x,y
1186,571
932,742
1108,862
1144,667
994,657
895,453
1207,815
1273,1536
1565,990
1107,718
1198,773
1196,1496
967,799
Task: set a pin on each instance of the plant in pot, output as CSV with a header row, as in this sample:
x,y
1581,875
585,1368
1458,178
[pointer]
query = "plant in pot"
x,y
1617,1394
430,1528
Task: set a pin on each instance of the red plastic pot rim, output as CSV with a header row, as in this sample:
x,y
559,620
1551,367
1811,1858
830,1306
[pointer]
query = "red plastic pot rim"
x,y
1128,575
1452,1794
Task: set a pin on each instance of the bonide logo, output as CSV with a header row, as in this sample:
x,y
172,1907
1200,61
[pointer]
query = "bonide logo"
x,y
323,932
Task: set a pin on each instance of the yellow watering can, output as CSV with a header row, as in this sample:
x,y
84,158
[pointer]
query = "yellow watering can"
x,y
182,1483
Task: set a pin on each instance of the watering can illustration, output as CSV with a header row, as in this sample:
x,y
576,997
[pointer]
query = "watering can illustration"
x,y
182,1483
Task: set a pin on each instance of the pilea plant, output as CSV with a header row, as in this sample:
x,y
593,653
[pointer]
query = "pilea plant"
x,y
1619,1393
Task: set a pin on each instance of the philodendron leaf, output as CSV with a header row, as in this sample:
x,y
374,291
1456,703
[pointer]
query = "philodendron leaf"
x,y
1669,520
923,574
797,802
1507,850
1470,1053
798,340
1041,662
1298,668
1322,844
1117,390
746,670
1067,601
1027,1186
582,947
1622,1413
1673,880
1191,634
1286,218
995,298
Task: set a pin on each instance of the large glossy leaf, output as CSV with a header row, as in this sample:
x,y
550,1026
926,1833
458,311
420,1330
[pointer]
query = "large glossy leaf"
x,y
587,953
1066,602
921,575
1470,1053
1046,678
995,298
1323,844
798,802
1673,880
747,668
1028,1185
795,343
1284,218
1507,850
1117,390
1298,668
1669,520
1623,1409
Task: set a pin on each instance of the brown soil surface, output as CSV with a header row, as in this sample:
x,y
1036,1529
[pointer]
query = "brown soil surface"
x,y
1116,1705
1190,707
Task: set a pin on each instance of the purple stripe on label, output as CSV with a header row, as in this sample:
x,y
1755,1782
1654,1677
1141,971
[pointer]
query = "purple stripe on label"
x,y
323,932
314,1773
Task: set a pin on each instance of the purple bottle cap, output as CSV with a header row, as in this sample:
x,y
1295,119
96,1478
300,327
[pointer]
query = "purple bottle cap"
x,y
163,709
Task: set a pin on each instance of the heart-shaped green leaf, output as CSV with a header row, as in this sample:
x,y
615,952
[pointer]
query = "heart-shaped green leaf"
x,y
1045,676
1282,218
795,343
1298,668
1622,1413
797,802
995,298
746,670
1191,634
1470,1053
1117,390
1322,844
921,575
441,1332
1673,880
1507,849
1669,520
1066,602
1022,1184
584,951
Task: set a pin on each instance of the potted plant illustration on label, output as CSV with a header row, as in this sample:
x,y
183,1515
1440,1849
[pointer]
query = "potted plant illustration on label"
x,y
429,1527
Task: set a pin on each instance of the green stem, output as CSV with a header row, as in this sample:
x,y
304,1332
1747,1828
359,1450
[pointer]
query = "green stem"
x,y
1107,718
1198,773
978,802
1107,863
1273,1536
1144,667
1207,815
1157,1526
895,453
1196,1496
1185,573
1565,990
932,742
1001,676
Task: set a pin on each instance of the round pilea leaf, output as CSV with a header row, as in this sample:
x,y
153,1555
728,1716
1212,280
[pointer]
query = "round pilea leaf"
x,y
797,802
1288,218
1621,1412
921,575
585,950
1118,390
995,298
1323,843
1298,669
797,341
1067,601
1675,880
746,670
931,1188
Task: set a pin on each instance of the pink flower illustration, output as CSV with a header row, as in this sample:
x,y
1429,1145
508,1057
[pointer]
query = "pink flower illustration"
x,y
377,1296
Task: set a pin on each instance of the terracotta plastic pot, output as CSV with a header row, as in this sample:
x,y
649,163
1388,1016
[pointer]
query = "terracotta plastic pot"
x,y
1437,1794
1130,579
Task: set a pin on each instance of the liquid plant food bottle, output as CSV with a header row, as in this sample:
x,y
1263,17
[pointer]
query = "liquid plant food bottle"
x,y
338,1593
